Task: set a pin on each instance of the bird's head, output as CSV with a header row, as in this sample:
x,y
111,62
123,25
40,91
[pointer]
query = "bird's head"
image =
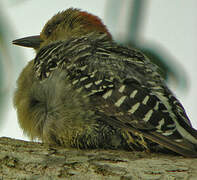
x,y
65,25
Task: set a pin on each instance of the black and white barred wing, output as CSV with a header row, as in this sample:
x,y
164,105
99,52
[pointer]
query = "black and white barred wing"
x,y
143,114
142,104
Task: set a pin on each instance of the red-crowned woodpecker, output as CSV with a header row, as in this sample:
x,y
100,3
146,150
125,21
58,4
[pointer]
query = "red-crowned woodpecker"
x,y
84,90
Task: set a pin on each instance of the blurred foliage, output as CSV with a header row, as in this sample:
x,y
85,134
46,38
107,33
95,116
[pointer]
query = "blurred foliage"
x,y
9,67
172,72
4,62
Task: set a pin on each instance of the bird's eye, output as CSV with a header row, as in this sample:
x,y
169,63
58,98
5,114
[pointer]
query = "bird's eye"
x,y
48,30
50,27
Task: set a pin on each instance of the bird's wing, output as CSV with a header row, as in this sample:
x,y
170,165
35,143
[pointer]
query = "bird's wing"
x,y
118,90
134,108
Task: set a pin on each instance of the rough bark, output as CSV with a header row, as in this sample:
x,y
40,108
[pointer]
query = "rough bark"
x,y
32,160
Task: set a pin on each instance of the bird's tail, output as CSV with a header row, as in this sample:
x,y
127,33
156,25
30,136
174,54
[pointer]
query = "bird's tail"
x,y
183,146
180,146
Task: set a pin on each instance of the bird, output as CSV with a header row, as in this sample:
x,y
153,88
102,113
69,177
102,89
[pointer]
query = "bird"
x,y
83,90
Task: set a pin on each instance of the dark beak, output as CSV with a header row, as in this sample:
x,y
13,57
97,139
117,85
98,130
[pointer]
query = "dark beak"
x,y
31,41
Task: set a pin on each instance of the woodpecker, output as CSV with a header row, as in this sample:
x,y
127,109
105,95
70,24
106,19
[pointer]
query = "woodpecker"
x,y
83,90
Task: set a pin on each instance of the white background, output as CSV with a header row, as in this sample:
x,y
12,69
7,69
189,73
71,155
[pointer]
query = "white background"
x,y
172,24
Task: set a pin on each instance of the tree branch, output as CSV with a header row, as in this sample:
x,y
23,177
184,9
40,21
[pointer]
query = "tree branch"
x,y
32,160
